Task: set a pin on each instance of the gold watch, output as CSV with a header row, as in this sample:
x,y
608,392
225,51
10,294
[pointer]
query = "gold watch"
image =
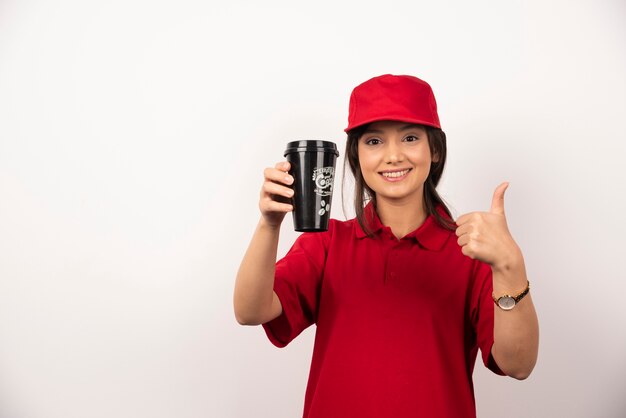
x,y
508,302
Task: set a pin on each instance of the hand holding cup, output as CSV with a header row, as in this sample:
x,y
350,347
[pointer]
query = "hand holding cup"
x,y
276,194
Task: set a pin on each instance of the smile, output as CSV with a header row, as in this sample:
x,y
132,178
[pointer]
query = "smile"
x,y
392,175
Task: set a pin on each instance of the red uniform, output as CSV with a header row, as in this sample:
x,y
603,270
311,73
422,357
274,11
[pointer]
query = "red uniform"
x,y
399,322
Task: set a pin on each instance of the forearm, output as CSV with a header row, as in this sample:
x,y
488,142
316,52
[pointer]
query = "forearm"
x,y
254,299
516,332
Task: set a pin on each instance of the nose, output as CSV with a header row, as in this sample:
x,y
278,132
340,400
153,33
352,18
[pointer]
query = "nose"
x,y
393,153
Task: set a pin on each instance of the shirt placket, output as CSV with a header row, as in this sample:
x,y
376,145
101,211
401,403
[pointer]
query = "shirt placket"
x,y
391,263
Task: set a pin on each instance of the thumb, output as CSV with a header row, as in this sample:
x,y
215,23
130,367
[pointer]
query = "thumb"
x,y
497,203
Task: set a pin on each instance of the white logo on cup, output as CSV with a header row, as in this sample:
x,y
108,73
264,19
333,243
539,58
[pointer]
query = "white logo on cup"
x,y
323,178
325,208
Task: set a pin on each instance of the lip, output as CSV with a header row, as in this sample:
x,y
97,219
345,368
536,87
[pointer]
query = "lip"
x,y
398,178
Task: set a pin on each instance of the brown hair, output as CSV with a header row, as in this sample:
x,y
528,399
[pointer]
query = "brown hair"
x,y
363,193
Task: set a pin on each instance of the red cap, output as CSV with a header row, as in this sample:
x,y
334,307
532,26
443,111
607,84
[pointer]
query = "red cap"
x,y
401,98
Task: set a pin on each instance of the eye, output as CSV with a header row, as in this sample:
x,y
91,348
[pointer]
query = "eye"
x,y
411,138
373,141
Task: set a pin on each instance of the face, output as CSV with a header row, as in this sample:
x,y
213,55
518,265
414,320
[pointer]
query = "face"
x,y
395,160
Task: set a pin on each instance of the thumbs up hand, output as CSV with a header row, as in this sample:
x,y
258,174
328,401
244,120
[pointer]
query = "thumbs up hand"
x,y
485,236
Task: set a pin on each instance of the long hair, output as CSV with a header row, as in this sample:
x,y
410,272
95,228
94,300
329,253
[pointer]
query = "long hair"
x,y
363,193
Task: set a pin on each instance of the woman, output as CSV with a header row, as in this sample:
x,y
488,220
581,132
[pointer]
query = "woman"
x,y
403,297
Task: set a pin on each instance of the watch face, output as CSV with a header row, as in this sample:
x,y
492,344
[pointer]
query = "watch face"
x,y
506,302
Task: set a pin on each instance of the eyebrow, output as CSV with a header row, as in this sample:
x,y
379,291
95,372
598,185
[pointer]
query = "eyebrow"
x,y
400,129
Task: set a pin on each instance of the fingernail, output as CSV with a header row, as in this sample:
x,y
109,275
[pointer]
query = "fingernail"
x,y
289,179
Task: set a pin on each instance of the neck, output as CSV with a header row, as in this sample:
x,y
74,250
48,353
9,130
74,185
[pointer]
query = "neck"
x,y
401,216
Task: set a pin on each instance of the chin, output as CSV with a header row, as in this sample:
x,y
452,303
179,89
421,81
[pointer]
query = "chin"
x,y
399,194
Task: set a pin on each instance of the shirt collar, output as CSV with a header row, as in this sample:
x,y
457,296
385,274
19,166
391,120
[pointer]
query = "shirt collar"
x,y
429,235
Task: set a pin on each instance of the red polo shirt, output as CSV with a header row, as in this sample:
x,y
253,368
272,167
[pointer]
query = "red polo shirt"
x,y
399,322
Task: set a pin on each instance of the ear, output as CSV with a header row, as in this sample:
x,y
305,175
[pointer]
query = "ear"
x,y
435,157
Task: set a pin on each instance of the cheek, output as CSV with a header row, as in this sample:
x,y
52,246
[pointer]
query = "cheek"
x,y
366,171
367,167
366,161
422,156
422,160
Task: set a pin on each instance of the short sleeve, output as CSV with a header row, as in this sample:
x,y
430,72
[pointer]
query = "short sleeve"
x,y
483,314
297,283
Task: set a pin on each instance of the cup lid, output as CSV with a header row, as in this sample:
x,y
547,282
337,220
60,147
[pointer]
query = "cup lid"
x,y
311,145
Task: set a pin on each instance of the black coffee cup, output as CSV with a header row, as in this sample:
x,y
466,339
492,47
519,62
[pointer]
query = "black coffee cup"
x,y
313,170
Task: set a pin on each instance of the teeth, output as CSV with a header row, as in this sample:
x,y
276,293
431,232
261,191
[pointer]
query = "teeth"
x,y
396,173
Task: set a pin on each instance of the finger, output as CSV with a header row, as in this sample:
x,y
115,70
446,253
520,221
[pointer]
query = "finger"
x,y
497,203
469,251
462,219
283,166
278,176
463,240
274,206
463,229
271,188
468,217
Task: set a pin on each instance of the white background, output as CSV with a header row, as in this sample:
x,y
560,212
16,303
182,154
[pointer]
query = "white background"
x,y
133,135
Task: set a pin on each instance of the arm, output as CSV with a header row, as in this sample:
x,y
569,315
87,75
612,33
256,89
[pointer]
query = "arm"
x,y
485,236
516,332
255,301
